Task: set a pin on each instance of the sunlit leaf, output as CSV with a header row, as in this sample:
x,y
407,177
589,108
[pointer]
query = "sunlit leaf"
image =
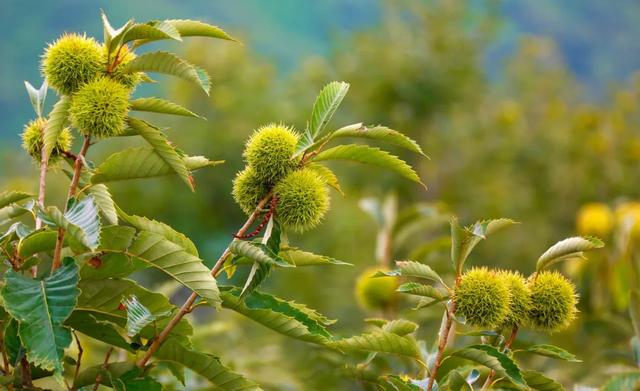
x,y
381,342
492,358
568,248
552,351
157,105
326,105
194,28
370,156
379,133
55,124
257,252
538,381
81,220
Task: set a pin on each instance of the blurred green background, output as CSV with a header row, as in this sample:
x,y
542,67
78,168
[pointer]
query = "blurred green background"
x,y
527,109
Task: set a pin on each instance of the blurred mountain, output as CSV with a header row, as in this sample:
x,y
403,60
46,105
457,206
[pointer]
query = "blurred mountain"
x,y
596,39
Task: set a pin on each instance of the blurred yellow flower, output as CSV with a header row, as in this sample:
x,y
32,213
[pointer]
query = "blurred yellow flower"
x,y
595,219
628,217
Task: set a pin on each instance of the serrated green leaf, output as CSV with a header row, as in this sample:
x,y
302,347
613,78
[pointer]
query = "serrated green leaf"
x,y
299,257
400,327
145,224
142,162
41,307
157,105
101,330
538,381
326,105
492,358
161,146
173,260
81,220
417,269
381,342
170,64
194,28
288,318
205,365
552,351
414,288
568,248
104,201
379,133
56,122
257,252
102,300
371,156
136,380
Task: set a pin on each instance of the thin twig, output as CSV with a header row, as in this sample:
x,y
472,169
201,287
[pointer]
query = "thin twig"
x,y
41,195
5,361
443,338
79,360
26,373
105,365
77,170
187,306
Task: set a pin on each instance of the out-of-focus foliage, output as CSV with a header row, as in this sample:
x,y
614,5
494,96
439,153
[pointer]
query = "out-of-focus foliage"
x,y
526,144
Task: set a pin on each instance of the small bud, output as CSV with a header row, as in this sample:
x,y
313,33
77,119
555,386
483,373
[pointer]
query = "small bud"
x,y
95,262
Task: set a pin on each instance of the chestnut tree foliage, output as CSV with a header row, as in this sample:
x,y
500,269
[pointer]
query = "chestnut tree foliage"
x,y
67,268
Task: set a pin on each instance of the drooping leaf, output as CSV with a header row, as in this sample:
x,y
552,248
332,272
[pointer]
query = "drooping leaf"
x,y
414,288
176,262
101,299
552,351
194,28
101,330
105,203
326,105
327,175
381,342
379,133
142,162
371,156
298,257
170,64
157,105
257,252
161,146
145,224
81,220
37,96
56,122
41,307
205,365
288,318
492,358
538,381
568,248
